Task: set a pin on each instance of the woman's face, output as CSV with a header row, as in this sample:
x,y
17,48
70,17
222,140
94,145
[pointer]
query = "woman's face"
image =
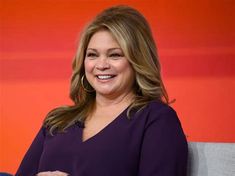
x,y
106,68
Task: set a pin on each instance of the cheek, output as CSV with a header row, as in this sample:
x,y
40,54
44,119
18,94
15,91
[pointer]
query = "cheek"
x,y
89,66
126,68
129,73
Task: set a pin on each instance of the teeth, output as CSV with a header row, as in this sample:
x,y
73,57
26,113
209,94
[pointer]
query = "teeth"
x,y
104,77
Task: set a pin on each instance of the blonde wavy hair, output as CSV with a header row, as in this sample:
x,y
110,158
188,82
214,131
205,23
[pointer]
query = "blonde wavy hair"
x,y
132,32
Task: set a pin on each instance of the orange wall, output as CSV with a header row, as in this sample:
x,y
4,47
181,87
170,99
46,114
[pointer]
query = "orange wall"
x,y
38,40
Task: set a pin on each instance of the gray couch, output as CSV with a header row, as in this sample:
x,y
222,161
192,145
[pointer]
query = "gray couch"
x,y
211,159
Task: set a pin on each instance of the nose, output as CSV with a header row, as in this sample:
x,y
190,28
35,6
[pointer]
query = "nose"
x,y
102,63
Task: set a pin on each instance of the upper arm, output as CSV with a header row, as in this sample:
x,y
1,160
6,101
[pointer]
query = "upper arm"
x,y
30,162
164,147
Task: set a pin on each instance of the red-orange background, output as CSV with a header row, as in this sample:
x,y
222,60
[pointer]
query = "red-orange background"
x,y
38,40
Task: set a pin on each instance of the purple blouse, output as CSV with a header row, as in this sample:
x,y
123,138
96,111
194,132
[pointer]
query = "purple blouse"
x,y
151,143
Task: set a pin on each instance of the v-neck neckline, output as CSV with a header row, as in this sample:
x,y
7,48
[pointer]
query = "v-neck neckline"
x,y
96,135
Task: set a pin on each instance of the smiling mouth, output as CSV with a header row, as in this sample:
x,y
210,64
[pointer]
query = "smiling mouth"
x,y
105,77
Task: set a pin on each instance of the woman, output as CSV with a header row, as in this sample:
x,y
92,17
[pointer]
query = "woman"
x,y
120,123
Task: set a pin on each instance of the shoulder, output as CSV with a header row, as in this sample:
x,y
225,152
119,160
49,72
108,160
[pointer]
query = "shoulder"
x,y
158,111
162,121
46,131
156,108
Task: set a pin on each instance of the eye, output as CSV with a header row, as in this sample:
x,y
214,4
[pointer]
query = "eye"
x,y
91,54
116,55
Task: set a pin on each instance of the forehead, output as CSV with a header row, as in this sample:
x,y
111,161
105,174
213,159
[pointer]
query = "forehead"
x,y
103,39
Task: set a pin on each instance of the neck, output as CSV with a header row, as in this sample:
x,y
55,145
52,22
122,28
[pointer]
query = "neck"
x,y
124,99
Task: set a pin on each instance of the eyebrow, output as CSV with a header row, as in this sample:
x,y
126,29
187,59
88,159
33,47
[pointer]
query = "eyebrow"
x,y
110,49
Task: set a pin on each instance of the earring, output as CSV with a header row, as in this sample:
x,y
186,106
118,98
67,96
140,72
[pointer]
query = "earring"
x,y
82,83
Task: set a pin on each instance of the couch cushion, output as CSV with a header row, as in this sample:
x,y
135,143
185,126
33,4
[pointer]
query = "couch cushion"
x,y
211,159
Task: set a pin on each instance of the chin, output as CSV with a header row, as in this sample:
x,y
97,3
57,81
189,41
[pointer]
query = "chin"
x,y
105,92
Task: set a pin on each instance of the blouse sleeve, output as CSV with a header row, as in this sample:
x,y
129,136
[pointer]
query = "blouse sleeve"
x,y
30,162
164,148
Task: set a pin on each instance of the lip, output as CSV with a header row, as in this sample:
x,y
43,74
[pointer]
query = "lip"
x,y
105,77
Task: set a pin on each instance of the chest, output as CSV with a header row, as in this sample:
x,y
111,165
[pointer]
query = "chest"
x,y
118,142
95,126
